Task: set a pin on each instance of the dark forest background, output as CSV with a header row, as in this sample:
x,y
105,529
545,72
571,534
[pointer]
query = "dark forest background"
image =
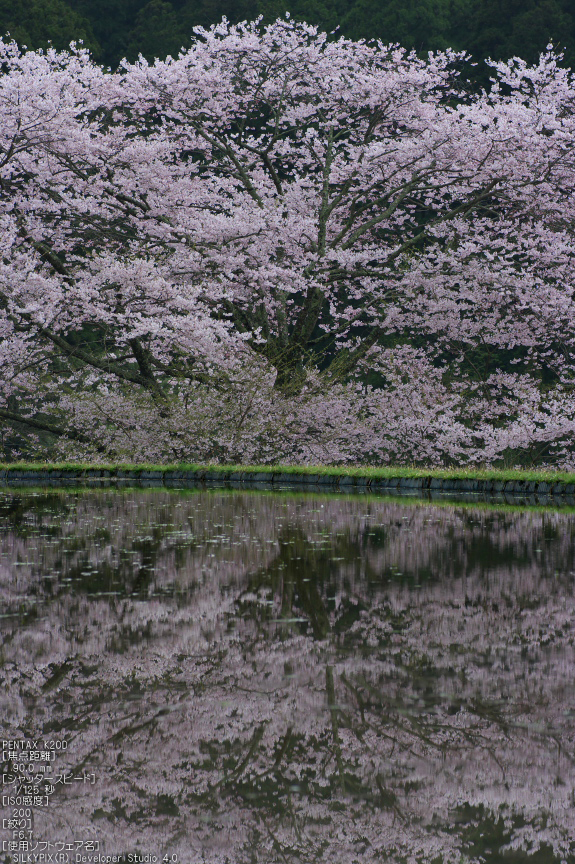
x,y
113,29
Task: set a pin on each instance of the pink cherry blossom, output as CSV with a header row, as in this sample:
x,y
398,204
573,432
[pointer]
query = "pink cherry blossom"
x,y
280,246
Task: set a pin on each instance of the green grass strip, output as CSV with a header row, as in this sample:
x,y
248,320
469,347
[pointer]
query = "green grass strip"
x,y
389,471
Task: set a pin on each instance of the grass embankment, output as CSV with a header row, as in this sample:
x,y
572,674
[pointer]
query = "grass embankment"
x,y
399,471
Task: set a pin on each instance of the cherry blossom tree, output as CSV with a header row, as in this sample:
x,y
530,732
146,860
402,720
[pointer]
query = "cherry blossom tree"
x,y
279,245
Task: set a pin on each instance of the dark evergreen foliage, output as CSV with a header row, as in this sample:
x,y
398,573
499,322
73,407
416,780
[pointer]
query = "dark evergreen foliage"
x,y
36,23
113,29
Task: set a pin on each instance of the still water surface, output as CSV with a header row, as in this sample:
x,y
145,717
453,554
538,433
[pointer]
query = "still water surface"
x,y
247,677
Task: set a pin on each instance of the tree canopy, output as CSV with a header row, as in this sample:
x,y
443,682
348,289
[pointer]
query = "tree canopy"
x,y
37,23
284,246
116,28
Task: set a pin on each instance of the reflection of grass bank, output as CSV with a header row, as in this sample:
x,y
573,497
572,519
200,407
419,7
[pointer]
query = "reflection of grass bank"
x,y
373,473
413,500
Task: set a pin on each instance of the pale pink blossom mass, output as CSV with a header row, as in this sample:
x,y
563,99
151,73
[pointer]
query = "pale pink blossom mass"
x,y
280,245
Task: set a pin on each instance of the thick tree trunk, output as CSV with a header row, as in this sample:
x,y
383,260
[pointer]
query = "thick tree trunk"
x,y
290,376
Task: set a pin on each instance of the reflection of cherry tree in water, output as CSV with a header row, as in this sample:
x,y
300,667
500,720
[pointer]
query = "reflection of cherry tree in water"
x,y
293,682
408,696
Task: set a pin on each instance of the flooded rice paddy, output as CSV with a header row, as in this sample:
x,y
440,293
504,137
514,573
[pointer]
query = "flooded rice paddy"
x,y
236,676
